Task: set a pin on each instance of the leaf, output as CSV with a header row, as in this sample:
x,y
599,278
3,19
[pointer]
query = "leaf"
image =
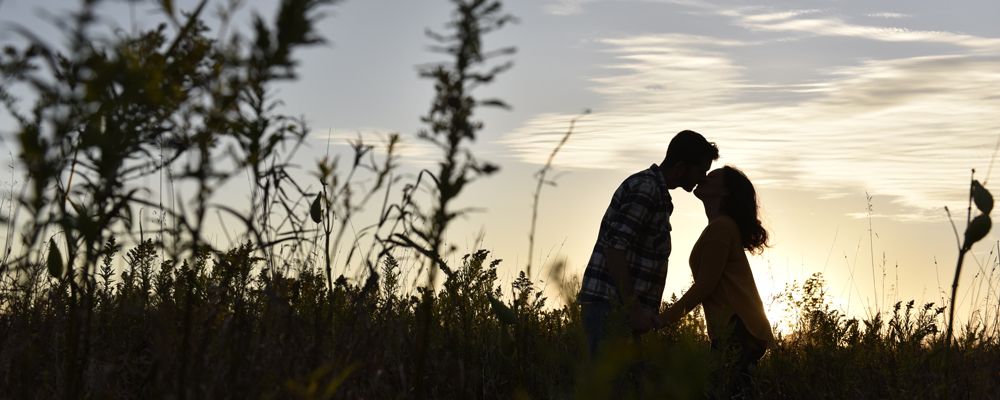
x,y
168,7
503,313
316,210
80,210
54,261
982,197
977,230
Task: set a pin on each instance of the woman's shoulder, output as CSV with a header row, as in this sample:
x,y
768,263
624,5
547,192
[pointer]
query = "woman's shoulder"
x,y
721,226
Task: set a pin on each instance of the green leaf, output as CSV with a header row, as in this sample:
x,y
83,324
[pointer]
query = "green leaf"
x,y
316,210
982,197
503,313
977,230
54,261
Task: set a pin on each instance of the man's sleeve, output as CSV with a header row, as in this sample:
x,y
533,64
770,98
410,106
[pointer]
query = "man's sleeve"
x,y
633,213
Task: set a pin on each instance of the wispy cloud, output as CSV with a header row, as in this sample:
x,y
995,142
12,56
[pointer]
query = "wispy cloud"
x,y
410,149
566,7
889,15
909,128
816,22
767,17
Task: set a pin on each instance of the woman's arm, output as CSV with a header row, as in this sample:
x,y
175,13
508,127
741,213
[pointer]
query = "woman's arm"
x,y
708,271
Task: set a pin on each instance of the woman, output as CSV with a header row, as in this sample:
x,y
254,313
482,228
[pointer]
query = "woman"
x,y
723,283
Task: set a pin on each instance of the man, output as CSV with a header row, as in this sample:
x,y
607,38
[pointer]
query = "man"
x,y
628,267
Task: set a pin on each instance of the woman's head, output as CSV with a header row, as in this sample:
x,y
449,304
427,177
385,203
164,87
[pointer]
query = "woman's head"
x,y
736,198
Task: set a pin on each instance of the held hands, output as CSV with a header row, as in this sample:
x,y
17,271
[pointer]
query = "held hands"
x,y
641,318
671,316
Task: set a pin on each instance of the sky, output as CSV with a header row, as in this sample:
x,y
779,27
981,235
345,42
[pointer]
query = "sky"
x,y
857,121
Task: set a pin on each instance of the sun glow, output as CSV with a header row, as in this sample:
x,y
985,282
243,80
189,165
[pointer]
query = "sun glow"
x,y
773,293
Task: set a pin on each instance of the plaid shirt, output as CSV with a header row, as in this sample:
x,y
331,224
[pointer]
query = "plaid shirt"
x,y
637,221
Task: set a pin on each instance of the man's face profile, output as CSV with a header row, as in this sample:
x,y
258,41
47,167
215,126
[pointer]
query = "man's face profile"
x,y
694,174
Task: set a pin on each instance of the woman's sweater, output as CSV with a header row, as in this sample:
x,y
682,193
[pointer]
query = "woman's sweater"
x,y
724,284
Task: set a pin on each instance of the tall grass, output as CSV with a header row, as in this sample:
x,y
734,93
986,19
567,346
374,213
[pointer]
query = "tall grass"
x,y
212,327
98,305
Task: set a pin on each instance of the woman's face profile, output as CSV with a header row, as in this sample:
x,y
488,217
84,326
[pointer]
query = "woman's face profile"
x,y
714,186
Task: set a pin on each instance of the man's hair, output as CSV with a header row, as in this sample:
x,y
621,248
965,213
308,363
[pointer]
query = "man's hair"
x,y
691,148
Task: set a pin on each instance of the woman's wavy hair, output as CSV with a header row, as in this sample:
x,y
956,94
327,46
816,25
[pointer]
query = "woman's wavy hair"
x,y
740,204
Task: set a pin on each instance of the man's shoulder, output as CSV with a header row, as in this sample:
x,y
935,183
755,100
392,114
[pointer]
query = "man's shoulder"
x,y
641,179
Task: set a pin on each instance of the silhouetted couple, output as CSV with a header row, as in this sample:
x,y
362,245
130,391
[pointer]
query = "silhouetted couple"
x,y
628,267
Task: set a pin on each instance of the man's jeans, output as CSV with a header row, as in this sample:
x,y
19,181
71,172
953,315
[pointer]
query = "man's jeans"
x,y
595,318
603,321
605,324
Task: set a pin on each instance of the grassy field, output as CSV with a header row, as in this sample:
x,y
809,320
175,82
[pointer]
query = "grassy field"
x,y
103,301
212,328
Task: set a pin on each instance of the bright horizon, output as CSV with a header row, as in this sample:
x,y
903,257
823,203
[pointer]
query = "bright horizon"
x,y
821,103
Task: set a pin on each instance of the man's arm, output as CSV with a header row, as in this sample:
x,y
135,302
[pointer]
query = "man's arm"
x,y
640,318
632,215
629,219
615,259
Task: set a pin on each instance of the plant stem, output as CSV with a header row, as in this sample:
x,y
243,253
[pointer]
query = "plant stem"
x,y
968,211
954,291
871,252
538,188
958,268
327,230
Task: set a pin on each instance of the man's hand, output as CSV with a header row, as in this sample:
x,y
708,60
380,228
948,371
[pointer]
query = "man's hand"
x,y
641,318
671,316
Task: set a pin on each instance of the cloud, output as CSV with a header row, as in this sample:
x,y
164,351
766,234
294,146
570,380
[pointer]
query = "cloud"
x,y
774,16
822,22
889,15
813,22
909,127
654,43
566,7
915,217
409,149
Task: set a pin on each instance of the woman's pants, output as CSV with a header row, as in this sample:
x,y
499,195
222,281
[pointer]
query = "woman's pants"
x,y
735,354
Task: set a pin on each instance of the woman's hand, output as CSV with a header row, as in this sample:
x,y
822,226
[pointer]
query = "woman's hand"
x,y
671,316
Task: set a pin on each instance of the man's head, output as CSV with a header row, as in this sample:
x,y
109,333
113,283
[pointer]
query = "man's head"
x,y
689,156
